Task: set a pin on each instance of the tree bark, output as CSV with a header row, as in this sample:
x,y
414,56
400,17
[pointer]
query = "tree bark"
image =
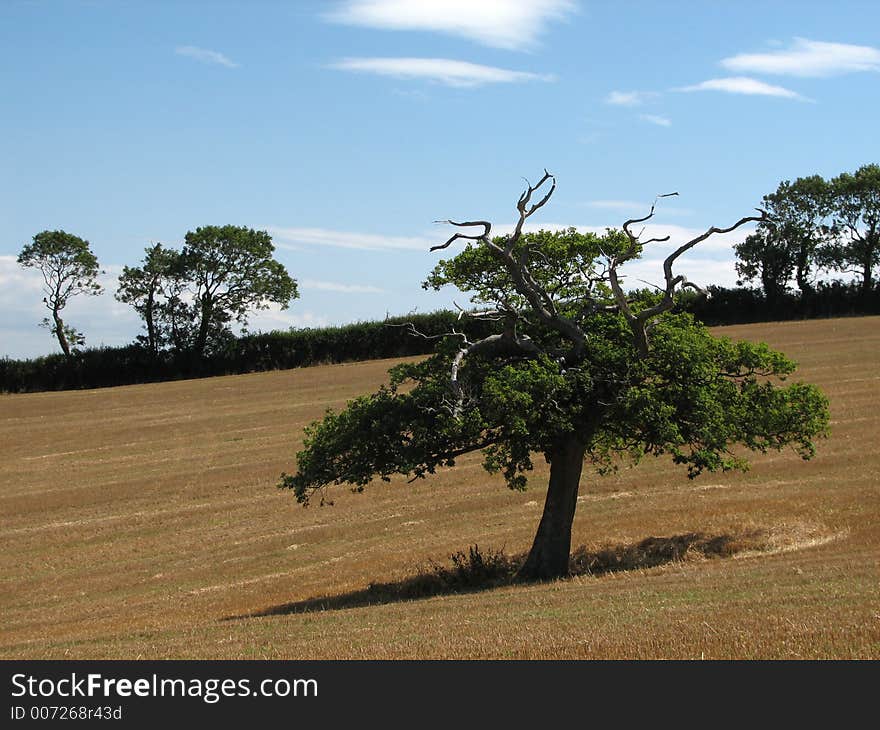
x,y
151,324
59,333
204,323
802,281
550,551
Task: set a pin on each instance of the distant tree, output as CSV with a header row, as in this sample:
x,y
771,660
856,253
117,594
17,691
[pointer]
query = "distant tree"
x,y
229,271
797,225
766,257
855,208
69,268
577,370
152,289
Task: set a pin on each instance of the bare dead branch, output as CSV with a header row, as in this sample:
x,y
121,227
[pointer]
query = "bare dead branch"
x,y
522,205
416,333
632,221
667,264
640,322
490,315
651,283
464,224
691,285
517,266
508,339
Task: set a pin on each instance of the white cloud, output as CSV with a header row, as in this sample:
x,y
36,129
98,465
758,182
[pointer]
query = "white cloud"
x,y
656,119
441,70
702,271
629,98
295,238
808,58
743,85
510,24
205,56
341,288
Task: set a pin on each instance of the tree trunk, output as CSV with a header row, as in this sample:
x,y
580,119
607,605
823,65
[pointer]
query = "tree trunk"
x,y
59,333
151,323
802,281
202,339
550,551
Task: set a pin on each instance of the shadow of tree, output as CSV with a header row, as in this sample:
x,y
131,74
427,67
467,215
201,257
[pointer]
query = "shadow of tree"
x,y
477,570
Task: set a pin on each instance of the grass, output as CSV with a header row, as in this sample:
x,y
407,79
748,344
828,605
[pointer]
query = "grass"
x,y
134,521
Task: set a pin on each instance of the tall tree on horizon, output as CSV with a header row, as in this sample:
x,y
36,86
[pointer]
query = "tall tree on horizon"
x,y
855,209
69,268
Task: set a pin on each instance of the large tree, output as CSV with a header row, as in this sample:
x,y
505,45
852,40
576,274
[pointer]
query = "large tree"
x,y
855,208
230,271
577,371
188,298
798,225
69,268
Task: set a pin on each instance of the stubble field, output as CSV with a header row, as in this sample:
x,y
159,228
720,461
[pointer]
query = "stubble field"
x,y
143,522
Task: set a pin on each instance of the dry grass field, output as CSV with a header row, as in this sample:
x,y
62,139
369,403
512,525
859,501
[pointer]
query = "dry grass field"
x,y
135,521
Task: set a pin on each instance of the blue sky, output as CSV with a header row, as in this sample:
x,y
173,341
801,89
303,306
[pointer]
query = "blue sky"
x,y
346,128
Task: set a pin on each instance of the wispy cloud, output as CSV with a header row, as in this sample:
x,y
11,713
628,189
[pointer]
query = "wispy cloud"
x,y
629,98
205,56
296,238
440,70
509,24
743,85
340,288
808,58
656,119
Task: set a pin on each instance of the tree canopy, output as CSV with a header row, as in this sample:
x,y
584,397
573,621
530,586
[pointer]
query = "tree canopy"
x,y
69,268
797,226
576,371
815,224
856,216
188,298
153,290
766,257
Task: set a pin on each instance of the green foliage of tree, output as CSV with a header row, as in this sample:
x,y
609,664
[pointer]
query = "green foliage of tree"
x,y
188,298
766,257
576,371
68,267
815,224
153,290
797,227
856,215
230,271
